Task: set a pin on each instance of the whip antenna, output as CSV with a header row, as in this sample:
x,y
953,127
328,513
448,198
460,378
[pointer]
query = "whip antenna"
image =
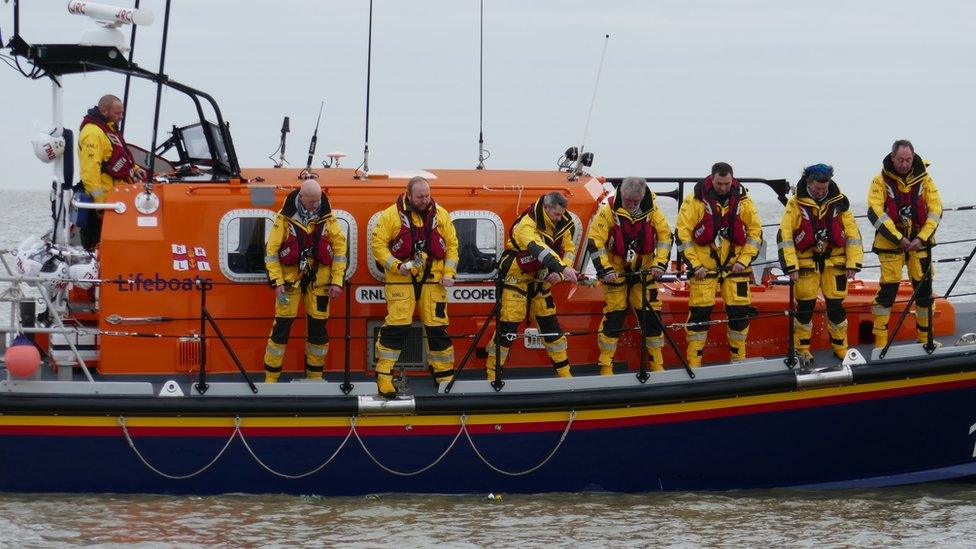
x,y
311,146
363,173
589,115
482,153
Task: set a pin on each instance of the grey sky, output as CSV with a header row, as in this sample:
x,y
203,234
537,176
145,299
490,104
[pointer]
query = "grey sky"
x,y
769,86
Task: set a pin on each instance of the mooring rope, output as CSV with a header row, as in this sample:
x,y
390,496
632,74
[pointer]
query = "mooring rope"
x,y
562,438
132,444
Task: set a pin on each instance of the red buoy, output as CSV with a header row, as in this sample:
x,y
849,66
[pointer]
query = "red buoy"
x,y
22,358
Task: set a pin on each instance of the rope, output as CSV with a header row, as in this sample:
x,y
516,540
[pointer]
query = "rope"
x,y
300,475
562,438
132,444
355,432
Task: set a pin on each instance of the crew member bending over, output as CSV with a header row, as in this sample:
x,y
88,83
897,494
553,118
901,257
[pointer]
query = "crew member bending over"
x,y
630,244
539,253
306,262
905,208
719,233
820,249
416,245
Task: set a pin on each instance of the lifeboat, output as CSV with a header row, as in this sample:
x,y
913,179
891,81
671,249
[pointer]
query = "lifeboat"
x,y
151,351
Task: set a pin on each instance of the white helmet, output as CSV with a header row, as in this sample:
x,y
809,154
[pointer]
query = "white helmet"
x,y
47,147
83,272
55,270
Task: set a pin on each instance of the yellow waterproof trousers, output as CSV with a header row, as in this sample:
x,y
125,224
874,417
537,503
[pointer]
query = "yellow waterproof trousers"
x,y
734,289
892,266
619,297
317,346
535,299
832,282
401,302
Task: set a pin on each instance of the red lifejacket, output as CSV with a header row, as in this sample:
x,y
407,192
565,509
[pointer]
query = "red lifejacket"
x,y
412,239
713,223
300,244
526,260
905,205
626,234
828,229
120,164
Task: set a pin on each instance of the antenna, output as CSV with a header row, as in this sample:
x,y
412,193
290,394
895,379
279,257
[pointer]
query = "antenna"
x,y
311,146
582,156
482,153
364,172
285,129
128,77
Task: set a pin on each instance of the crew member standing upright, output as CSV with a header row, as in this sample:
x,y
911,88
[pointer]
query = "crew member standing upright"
x,y
630,244
905,208
305,258
820,249
719,233
105,161
539,253
416,245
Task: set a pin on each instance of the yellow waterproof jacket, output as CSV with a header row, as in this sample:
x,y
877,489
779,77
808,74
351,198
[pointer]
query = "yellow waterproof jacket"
x,y
94,148
535,233
725,253
890,231
386,231
287,222
609,216
802,204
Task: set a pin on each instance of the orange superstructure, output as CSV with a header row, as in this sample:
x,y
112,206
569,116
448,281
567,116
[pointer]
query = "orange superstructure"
x,y
211,234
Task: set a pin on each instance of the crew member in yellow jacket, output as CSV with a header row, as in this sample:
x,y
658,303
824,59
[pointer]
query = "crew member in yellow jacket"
x,y
306,261
719,233
539,253
415,243
820,249
104,161
905,208
630,246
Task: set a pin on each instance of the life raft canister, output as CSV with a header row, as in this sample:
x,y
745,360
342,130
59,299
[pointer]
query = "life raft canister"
x,y
412,239
713,223
626,234
121,163
904,207
300,244
526,260
813,230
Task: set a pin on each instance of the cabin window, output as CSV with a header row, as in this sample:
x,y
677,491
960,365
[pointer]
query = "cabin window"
x,y
480,244
244,233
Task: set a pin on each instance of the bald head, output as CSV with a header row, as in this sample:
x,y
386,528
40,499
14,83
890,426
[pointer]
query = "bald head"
x,y
111,108
310,195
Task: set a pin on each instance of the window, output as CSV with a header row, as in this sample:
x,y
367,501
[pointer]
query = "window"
x,y
480,244
244,233
242,236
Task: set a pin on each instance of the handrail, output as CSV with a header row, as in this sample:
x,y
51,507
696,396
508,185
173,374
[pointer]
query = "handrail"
x,y
119,207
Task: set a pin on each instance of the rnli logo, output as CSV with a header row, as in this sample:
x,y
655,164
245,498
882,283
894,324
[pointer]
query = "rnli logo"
x,y
190,258
455,294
